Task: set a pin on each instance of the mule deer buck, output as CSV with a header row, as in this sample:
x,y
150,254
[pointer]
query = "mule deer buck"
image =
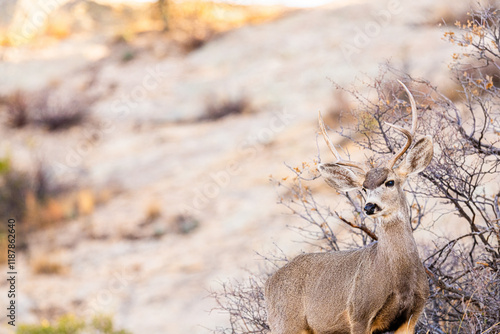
x,y
376,289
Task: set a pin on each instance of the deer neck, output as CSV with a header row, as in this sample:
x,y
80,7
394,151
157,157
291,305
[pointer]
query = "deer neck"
x,y
396,245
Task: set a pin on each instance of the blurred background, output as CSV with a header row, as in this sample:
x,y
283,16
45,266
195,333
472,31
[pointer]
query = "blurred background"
x,y
138,139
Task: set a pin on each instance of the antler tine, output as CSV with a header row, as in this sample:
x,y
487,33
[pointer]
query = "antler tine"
x,y
327,138
332,148
409,134
413,109
409,140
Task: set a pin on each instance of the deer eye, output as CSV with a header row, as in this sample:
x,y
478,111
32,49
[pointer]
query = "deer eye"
x,y
389,183
364,190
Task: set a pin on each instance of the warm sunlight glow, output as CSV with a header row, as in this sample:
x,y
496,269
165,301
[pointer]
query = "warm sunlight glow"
x,y
288,3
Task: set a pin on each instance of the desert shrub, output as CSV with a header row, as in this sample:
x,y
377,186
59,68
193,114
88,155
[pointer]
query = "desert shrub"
x,y
56,114
185,224
14,185
17,109
219,108
45,110
70,324
65,325
462,184
22,193
243,301
104,324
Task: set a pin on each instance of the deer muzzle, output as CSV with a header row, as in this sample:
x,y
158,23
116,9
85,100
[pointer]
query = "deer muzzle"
x,y
371,208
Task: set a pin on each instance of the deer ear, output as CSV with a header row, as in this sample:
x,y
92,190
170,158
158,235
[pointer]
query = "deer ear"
x,y
418,158
340,177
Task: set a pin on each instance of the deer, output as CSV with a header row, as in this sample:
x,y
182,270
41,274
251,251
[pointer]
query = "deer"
x,y
379,288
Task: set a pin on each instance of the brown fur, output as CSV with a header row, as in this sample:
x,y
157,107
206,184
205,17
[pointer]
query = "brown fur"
x,y
375,177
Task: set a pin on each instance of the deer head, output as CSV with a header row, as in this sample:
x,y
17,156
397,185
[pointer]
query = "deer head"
x,y
383,186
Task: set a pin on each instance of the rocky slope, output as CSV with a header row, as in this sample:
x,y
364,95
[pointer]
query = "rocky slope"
x,y
207,181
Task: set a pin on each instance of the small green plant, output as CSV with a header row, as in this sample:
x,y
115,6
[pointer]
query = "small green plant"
x,y
70,324
104,324
67,324
128,56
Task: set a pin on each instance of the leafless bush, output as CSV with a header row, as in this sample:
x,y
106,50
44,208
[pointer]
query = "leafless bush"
x,y
244,303
16,188
463,269
218,109
185,224
17,109
55,114
14,185
461,184
46,110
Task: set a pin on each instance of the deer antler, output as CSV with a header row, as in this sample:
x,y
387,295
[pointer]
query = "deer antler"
x,y
409,134
332,148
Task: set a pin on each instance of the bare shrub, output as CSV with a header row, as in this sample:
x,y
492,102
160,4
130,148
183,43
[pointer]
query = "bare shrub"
x,y
45,109
463,269
28,197
185,224
219,108
244,303
56,114
17,109
462,183
14,185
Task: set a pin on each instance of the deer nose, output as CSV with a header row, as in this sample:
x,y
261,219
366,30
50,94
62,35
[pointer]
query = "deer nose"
x,y
370,208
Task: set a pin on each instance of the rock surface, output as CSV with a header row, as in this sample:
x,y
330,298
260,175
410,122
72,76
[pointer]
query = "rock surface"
x,y
209,179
